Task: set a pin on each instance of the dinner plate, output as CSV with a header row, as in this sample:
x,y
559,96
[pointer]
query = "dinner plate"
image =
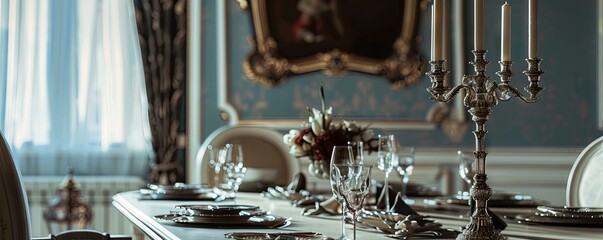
x,y
496,200
262,221
562,221
183,192
573,212
181,188
218,210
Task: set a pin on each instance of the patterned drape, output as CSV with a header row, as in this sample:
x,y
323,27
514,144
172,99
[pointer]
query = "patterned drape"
x,y
162,34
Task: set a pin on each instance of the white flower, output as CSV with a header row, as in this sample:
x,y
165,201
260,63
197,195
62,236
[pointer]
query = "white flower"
x,y
289,139
309,138
350,126
316,121
297,151
307,146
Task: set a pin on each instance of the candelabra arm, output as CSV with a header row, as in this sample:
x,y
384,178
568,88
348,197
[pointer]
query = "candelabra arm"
x,y
449,95
507,88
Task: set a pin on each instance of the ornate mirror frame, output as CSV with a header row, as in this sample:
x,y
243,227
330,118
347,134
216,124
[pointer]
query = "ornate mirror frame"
x,y
267,65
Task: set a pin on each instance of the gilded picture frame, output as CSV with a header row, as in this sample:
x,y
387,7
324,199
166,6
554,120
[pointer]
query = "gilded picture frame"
x,y
335,36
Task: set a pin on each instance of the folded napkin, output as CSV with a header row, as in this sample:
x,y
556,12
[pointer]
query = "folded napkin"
x,y
298,183
401,207
381,201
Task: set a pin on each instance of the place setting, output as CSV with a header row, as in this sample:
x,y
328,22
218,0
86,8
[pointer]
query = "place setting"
x,y
224,216
466,170
184,192
563,216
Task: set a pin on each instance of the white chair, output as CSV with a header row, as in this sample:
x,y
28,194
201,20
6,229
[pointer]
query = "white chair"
x,y
14,209
265,154
584,185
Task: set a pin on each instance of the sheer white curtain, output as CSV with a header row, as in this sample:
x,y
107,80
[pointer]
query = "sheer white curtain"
x,y
73,92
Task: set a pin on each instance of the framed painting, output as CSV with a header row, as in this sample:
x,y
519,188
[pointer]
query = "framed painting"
x,y
335,36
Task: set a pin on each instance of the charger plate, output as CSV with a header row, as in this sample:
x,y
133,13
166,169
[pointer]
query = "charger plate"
x,y
263,221
572,212
561,221
218,210
496,200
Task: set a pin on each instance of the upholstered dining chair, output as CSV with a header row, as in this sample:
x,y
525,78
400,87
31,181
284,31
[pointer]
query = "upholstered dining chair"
x,y
14,210
266,156
584,188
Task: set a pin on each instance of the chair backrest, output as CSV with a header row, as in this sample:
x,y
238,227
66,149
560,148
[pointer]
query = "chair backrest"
x,y
84,235
266,156
14,211
584,188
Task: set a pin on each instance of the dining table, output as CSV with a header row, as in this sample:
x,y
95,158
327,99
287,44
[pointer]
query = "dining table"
x,y
142,213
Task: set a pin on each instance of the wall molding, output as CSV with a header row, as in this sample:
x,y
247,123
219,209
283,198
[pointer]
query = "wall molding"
x,y
230,114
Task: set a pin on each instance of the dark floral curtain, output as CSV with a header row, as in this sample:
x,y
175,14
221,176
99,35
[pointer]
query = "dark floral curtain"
x,y
162,34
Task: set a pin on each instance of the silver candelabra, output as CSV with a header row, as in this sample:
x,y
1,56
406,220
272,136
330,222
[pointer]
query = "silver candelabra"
x,y
481,95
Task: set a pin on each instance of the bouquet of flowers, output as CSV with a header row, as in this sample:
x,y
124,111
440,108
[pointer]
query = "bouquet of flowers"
x,y
320,134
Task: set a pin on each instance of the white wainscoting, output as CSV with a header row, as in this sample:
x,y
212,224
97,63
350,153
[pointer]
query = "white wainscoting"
x,y
97,192
540,172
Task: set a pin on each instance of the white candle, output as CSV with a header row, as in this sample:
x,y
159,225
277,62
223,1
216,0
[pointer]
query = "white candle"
x,y
505,36
533,29
478,25
436,30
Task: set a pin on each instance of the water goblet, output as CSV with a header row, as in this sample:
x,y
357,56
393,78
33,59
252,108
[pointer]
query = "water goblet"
x,y
357,150
340,155
386,162
215,164
467,169
354,185
232,158
234,177
405,165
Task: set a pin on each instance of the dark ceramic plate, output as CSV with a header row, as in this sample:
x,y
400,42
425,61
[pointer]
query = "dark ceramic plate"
x,y
562,221
496,200
218,210
264,221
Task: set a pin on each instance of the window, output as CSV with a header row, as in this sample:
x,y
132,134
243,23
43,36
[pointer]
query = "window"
x,y
72,91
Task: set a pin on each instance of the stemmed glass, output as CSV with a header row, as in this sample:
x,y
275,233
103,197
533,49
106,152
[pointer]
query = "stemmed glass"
x,y
405,165
386,162
354,184
467,169
340,155
233,166
215,164
357,150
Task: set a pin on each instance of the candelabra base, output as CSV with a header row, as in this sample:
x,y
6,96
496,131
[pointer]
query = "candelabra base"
x,y
481,228
481,232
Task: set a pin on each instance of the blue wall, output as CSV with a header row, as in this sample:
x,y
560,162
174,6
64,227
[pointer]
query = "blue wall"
x,y
565,117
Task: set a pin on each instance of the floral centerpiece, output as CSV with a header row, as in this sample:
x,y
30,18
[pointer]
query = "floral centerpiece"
x,y
320,134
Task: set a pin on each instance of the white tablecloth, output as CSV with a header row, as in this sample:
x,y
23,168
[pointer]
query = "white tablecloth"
x,y
141,213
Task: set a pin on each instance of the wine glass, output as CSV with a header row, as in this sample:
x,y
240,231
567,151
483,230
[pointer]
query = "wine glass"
x,y
215,164
357,150
340,155
405,165
386,162
233,166
354,184
466,168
